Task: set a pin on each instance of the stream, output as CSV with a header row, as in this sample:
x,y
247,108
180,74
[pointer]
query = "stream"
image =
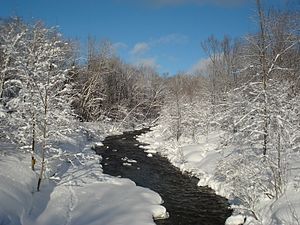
x,y
186,203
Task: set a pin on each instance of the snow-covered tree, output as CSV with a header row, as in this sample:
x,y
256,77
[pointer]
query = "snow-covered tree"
x,y
50,94
12,39
260,115
13,32
35,91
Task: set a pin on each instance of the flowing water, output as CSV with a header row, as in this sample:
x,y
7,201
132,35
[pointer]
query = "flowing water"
x,y
186,203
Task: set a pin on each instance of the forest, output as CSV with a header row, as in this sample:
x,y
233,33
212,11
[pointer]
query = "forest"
x,y
248,91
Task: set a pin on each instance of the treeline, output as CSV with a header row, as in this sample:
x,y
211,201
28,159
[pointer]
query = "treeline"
x,y
107,88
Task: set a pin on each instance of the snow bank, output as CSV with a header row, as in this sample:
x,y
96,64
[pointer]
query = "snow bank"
x,y
16,187
202,160
94,198
74,191
199,159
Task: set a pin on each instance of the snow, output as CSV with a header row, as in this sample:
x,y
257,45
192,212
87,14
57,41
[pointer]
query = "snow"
x,y
125,159
202,160
15,188
98,144
75,190
131,161
235,220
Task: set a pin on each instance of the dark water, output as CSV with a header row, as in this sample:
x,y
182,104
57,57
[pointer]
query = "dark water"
x,y
186,203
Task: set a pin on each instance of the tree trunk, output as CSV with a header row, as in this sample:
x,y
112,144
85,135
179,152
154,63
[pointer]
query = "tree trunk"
x,y
44,132
178,129
33,147
279,168
33,143
263,62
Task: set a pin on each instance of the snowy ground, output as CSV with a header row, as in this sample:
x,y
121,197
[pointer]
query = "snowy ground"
x,y
201,159
75,191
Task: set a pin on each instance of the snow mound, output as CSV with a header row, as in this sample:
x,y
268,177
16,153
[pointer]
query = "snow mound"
x,y
235,220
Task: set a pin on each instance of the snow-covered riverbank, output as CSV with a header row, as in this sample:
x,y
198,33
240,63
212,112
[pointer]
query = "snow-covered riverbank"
x,y
203,160
75,191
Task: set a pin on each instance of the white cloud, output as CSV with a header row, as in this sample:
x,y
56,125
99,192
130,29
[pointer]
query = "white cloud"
x,y
148,62
119,45
201,66
141,59
140,48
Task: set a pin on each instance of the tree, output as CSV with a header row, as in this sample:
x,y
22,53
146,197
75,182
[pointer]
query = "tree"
x,y
35,91
212,48
47,81
263,72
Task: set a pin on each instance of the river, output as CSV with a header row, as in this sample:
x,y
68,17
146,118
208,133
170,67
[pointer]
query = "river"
x,y
186,203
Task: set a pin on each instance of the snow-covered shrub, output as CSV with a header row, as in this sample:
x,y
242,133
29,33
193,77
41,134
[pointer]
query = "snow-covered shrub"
x,y
249,176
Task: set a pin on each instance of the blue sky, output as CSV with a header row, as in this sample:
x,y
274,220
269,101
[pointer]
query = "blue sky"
x,y
165,34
